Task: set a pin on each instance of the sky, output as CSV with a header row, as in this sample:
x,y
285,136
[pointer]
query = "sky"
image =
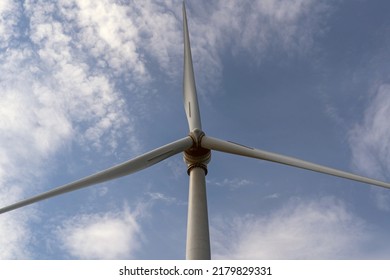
x,y
85,85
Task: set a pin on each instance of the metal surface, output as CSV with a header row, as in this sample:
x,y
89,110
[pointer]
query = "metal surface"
x,y
189,89
198,238
233,148
126,168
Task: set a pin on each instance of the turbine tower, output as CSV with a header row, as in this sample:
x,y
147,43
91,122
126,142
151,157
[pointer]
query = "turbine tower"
x,y
197,148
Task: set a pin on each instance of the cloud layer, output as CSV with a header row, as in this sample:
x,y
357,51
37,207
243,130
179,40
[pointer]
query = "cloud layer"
x,y
50,97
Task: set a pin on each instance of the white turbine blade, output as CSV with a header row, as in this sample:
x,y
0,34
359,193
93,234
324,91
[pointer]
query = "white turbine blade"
x,y
189,91
123,169
233,148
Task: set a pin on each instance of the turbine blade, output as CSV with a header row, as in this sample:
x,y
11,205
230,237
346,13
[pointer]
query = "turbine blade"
x,y
191,105
233,148
123,169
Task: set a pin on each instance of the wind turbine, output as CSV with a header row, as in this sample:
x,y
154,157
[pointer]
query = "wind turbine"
x,y
197,148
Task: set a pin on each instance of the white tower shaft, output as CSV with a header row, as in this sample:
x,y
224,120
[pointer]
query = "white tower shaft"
x,y
198,240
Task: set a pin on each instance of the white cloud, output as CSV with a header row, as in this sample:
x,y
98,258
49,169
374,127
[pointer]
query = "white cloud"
x,y
369,141
255,27
382,199
234,183
107,30
156,196
113,235
57,85
15,235
259,25
8,20
317,229
49,94
272,196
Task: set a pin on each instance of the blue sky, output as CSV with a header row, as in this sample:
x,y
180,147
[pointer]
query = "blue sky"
x,y
88,84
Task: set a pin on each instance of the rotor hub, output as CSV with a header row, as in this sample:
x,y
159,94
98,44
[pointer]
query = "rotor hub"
x,y
197,156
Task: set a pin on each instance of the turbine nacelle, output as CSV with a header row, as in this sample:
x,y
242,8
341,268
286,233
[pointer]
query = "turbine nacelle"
x,y
197,156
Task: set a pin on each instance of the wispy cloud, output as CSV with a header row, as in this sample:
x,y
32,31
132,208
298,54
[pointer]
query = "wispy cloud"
x,y
57,84
15,235
234,183
304,229
255,28
382,199
272,196
156,196
370,139
115,234
369,142
49,95
8,21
